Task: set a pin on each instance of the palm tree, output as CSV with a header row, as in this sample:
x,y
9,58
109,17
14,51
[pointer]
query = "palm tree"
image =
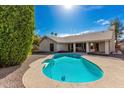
x,y
118,30
55,34
52,33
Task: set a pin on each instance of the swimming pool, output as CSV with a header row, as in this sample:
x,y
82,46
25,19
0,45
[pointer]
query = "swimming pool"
x,y
71,68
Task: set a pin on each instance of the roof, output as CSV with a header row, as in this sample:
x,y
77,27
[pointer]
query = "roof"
x,y
95,36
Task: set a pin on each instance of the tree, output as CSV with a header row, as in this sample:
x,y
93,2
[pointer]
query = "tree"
x,y
16,34
36,40
36,43
118,29
54,34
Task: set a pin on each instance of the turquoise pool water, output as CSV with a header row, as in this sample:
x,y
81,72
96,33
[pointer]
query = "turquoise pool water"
x,y
71,68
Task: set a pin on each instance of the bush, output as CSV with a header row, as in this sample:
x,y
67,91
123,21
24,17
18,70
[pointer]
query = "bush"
x,y
36,43
16,34
36,40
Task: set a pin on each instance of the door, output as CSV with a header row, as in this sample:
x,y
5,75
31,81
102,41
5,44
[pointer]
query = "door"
x,y
97,47
51,47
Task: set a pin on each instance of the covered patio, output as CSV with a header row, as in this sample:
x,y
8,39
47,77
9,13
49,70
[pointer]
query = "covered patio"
x,y
93,47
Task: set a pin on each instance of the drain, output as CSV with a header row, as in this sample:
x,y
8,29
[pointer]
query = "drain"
x,y
63,78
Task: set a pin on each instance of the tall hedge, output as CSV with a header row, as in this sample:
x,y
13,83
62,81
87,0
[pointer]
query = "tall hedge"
x,y
16,34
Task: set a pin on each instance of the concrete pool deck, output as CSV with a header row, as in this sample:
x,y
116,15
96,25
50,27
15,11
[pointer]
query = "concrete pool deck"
x,y
112,67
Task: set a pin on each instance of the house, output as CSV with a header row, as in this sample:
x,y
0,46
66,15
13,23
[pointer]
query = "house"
x,y
96,42
121,46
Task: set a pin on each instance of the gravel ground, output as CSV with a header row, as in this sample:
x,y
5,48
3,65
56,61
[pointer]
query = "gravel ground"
x,y
11,77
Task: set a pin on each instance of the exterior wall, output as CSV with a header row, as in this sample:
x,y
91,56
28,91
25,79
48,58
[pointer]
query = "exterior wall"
x,y
87,47
62,47
74,47
45,45
112,45
107,47
112,41
122,46
102,47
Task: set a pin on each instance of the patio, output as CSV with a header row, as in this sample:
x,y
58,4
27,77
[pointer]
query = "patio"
x,y
112,67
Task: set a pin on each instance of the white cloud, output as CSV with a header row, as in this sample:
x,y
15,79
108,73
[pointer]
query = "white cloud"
x,y
100,20
103,22
63,35
83,32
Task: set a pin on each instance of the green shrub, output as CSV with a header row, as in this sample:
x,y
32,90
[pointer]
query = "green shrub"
x,y
16,34
36,43
36,40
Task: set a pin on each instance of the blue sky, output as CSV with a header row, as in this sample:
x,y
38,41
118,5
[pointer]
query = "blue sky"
x,y
75,20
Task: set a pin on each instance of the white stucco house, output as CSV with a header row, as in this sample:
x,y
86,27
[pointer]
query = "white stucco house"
x,y
96,42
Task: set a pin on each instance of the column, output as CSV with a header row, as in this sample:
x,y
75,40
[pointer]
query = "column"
x,y
106,47
74,47
57,47
87,47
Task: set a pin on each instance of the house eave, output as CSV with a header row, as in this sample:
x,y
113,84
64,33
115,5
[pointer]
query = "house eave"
x,y
85,41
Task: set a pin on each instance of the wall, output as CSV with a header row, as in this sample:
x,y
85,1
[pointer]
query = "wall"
x,y
112,45
102,47
112,41
122,46
107,47
45,45
62,47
